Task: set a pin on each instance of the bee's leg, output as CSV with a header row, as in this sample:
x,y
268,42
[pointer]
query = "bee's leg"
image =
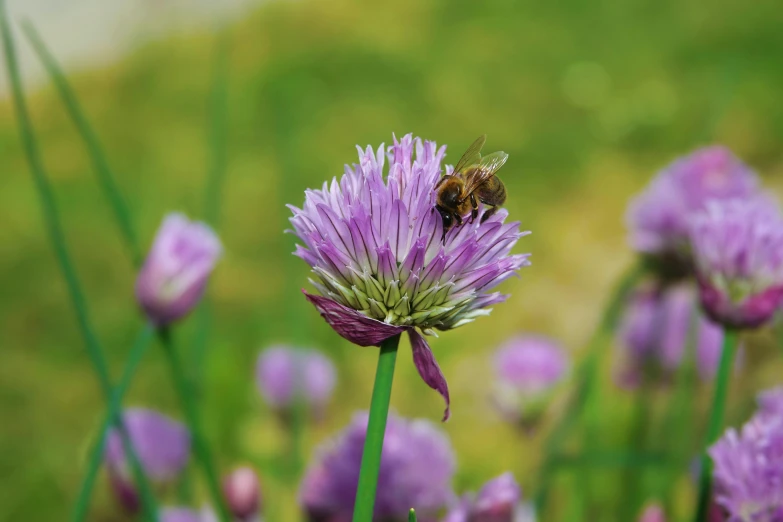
x,y
474,204
458,219
488,214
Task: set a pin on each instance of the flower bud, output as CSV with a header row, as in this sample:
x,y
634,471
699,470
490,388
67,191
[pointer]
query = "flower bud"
x,y
242,492
175,273
653,513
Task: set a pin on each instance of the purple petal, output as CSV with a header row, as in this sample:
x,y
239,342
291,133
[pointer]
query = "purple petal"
x,y
353,325
428,368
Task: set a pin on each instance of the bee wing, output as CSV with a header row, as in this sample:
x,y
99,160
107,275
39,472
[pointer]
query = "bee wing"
x,y
472,156
486,168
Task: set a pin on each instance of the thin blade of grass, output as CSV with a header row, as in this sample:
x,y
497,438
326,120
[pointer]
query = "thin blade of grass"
x,y
57,238
106,178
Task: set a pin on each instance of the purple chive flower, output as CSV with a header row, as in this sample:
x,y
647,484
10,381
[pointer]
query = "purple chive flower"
x,y
653,512
183,514
748,472
770,402
738,249
658,218
161,443
654,332
175,273
373,241
497,501
417,465
243,493
527,369
284,374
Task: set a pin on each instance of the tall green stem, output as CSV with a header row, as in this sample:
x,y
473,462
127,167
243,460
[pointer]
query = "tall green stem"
x,y
57,238
112,414
376,429
585,382
187,398
715,421
97,156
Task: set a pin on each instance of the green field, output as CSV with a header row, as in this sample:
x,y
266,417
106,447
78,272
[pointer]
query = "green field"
x,y
589,99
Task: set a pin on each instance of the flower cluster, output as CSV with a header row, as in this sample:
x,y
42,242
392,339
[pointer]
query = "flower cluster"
x,y
417,465
738,247
659,218
285,375
527,369
499,500
161,444
655,329
373,242
748,471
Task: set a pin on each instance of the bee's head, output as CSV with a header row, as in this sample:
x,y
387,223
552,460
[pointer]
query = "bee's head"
x,y
449,193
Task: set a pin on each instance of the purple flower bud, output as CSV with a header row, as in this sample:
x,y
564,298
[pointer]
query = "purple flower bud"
x,y
243,493
738,248
528,368
381,261
653,512
175,273
417,465
161,443
182,514
659,217
499,500
654,332
748,470
285,374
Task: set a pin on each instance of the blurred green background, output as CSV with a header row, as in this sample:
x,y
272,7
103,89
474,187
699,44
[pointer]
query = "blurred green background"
x,y
588,98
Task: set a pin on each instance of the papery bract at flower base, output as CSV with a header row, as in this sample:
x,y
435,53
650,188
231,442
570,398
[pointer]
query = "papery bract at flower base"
x,y
175,273
373,242
285,374
658,218
738,249
161,444
417,465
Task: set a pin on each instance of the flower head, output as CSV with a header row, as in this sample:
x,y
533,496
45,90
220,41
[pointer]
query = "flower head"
x,y
653,512
738,249
177,268
374,244
417,464
654,332
748,471
497,501
658,218
242,492
528,368
285,374
161,444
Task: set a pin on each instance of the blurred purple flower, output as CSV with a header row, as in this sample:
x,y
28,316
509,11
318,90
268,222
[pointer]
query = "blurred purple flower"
x,y
284,374
748,472
770,402
183,514
527,369
161,443
243,493
175,273
653,512
658,218
654,332
497,501
374,246
738,249
417,465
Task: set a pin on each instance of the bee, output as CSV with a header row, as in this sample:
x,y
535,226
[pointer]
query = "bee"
x,y
473,180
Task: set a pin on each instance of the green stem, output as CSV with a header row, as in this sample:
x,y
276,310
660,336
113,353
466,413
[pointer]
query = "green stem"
x,y
112,417
376,429
716,421
200,447
55,231
585,382
412,515
106,178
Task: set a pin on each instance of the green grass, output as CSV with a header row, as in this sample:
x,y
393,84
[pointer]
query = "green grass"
x,y
587,99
